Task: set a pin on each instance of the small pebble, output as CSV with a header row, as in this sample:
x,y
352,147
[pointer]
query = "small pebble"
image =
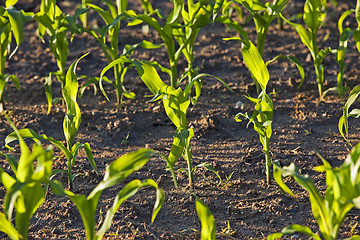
x,y
156,108
239,104
295,237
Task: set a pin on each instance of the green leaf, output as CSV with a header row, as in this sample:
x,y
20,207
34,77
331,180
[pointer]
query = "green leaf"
x,y
357,38
178,146
10,3
255,63
121,168
11,160
16,22
274,236
114,63
128,191
279,179
15,80
90,157
175,14
302,229
322,54
343,16
8,228
217,7
208,226
48,91
235,25
343,122
210,168
87,208
305,35
149,76
292,59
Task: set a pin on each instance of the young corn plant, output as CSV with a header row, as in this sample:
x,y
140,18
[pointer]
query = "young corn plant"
x,y
194,16
108,37
56,24
314,15
110,32
263,114
11,26
115,173
25,191
345,36
71,126
180,29
263,15
342,194
176,103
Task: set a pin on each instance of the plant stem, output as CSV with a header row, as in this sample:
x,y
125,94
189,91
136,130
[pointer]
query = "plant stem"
x,y
319,70
188,157
118,85
173,175
69,173
173,77
267,167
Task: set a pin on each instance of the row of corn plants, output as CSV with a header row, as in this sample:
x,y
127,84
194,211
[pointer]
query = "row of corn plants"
x,y
178,32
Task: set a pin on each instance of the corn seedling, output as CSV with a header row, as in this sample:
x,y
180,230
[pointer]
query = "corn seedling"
x,y
263,15
11,25
108,37
343,121
181,28
53,22
195,16
228,230
208,227
115,173
314,15
71,125
24,191
342,194
263,113
345,35
176,103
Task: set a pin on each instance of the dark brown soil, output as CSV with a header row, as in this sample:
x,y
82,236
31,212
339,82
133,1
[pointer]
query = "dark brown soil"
x,y
302,127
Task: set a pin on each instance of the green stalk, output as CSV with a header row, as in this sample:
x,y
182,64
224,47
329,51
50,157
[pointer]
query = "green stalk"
x,y
268,164
190,168
3,53
118,84
173,77
173,175
69,173
262,32
267,159
319,70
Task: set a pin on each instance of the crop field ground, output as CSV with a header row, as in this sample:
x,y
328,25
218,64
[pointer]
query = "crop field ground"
x,y
245,206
